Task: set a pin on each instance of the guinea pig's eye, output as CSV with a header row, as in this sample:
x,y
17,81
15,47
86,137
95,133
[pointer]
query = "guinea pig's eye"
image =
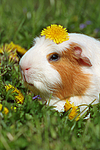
x,y
54,57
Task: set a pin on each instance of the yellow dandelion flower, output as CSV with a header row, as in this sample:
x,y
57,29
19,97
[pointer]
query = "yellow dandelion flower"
x,y
19,98
73,112
1,51
1,107
12,49
67,105
56,33
78,117
5,111
18,48
13,108
8,87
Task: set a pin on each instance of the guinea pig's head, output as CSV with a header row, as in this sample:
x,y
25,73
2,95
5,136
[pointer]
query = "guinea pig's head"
x,y
55,69
37,72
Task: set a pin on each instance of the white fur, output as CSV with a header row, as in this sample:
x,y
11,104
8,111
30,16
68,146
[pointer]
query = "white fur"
x,y
42,76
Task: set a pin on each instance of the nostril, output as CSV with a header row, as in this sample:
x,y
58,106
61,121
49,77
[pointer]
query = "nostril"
x,y
27,68
24,69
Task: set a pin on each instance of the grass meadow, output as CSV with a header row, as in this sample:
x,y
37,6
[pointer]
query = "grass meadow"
x,y
32,125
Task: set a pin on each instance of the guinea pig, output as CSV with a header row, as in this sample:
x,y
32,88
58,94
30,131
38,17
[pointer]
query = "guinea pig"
x,y
68,70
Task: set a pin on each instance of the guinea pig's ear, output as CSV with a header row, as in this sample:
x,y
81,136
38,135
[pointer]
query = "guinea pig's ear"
x,y
82,59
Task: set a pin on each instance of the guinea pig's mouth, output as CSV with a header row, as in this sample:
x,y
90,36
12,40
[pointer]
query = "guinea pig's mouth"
x,y
25,80
28,84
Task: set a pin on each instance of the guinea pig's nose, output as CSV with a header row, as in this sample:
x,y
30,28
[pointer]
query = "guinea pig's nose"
x,y
25,69
24,72
24,65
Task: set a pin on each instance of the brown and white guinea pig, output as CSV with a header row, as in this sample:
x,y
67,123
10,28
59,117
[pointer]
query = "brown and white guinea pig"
x,y
69,70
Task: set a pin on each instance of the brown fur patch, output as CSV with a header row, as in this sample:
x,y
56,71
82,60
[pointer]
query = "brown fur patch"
x,y
74,81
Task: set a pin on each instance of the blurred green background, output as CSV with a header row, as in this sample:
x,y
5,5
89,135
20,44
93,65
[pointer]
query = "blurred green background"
x,y
21,21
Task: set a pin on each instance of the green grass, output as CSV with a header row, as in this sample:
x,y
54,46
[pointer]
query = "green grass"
x,y
35,126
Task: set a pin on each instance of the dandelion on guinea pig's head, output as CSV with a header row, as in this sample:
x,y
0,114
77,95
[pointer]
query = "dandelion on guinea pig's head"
x,y
56,33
